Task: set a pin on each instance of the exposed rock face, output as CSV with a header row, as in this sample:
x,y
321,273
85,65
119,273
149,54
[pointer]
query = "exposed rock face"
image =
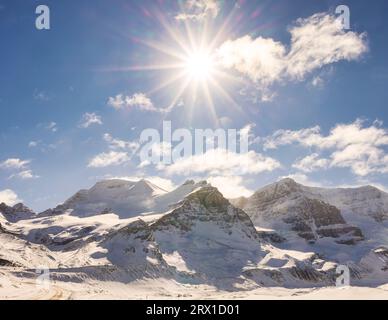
x,y
365,201
133,248
298,239
203,238
207,205
311,218
206,239
6,263
270,236
376,261
17,212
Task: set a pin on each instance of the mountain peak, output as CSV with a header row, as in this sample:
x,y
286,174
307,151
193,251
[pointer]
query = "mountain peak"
x,y
112,184
288,181
208,196
207,206
17,212
17,208
146,187
189,182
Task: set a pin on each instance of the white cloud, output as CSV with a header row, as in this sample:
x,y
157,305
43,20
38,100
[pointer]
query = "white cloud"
x,y
141,101
24,175
14,163
138,100
41,96
33,144
316,42
121,152
106,159
262,60
19,165
117,102
353,146
321,40
120,144
311,163
231,164
230,186
198,10
306,137
89,119
9,197
52,126
318,82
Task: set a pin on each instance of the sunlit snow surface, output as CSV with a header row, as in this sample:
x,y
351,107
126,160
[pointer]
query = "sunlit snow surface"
x,y
134,240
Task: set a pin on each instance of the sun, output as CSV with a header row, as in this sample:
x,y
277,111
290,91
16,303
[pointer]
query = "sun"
x,y
190,66
199,66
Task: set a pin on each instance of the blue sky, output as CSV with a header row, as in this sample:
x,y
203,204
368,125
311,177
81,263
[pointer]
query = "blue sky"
x,y
53,81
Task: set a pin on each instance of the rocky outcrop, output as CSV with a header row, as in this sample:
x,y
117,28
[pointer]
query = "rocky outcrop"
x,y
207,205
313,219
17,212
376,261
287,202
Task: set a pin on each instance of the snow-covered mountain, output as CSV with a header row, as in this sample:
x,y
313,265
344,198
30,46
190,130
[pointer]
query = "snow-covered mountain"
x,y
365,201
17,212
287,205
341,224
124,198
285,235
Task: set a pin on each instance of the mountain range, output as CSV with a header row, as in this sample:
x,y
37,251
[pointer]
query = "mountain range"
x,y
285,235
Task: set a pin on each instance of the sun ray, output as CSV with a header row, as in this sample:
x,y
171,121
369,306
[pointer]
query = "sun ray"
x,y
209,98
204,37
172,34
230,77
170,81
189,33
193,64
227,96
161,48
226,25
144,68
193,99
178,95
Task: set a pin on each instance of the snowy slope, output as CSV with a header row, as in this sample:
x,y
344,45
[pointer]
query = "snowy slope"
x,y
343,225
124,198
123,232
203,238
17,212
